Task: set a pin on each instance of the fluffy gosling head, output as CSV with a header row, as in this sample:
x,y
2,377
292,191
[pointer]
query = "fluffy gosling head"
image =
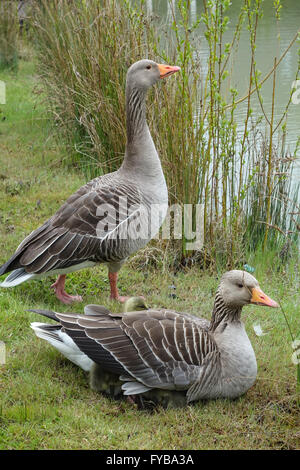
x,y
134,304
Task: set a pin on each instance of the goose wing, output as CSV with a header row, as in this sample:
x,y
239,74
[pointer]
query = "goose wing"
x,y
155,349
88,227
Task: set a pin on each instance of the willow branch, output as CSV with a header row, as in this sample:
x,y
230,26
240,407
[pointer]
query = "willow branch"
x,y
269,73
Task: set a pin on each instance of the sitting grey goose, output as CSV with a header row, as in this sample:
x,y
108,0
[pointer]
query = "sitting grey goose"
x,y
107,219
162,350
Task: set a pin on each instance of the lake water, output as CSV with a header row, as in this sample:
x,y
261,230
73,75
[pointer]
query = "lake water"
x,y
272,39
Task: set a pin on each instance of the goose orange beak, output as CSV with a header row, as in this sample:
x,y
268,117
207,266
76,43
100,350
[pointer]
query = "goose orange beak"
x,y
166,70
260,298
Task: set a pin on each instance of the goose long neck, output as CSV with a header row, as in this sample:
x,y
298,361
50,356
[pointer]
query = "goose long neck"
x,y
141,157
135,114
223,313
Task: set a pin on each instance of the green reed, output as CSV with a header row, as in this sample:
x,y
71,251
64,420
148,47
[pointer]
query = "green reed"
x,y
9,29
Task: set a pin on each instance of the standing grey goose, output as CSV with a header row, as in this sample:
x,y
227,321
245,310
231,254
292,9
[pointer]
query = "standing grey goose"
x,y
111,216
163,350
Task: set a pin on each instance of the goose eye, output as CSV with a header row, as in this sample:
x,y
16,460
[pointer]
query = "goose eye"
x,y
240,286
148,67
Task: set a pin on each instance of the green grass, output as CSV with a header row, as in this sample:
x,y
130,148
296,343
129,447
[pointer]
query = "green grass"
x,y
45,401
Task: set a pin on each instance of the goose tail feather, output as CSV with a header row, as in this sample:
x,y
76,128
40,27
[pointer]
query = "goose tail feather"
x,y
16,277
63,343
134,388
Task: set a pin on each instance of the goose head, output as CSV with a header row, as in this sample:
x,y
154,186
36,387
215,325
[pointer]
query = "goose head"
x,y
239,288
145,73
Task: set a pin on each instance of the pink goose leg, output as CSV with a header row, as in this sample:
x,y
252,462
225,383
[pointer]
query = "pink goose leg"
x,y
61,294
114,294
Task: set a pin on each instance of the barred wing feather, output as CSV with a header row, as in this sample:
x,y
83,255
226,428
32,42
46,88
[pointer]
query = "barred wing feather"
x,y
90,226
158,348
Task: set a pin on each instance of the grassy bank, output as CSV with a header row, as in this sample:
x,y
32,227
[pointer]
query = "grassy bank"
x,y
45,401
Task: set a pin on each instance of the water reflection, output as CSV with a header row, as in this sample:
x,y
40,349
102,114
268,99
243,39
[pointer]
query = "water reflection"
x,y
272,39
